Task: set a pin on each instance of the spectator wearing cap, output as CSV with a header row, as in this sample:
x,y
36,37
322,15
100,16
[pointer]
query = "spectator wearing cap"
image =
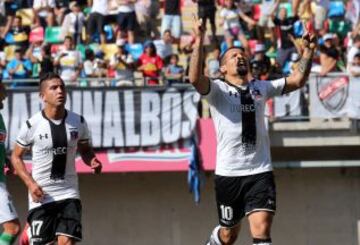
x,y
261,62
126,20
18,67
354,67
96,21
329,55
69,61
73,23
44,12
123,64
286,28
150,64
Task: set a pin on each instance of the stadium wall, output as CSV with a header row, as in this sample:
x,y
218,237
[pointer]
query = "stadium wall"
x,y
316,206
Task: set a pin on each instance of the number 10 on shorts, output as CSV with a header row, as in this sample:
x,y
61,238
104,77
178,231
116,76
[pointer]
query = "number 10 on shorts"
x,y
226,212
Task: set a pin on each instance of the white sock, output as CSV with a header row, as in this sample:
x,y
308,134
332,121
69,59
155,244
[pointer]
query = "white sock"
x,y
214,237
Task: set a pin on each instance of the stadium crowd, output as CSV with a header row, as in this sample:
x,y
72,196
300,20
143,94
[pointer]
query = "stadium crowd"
x,y
127,40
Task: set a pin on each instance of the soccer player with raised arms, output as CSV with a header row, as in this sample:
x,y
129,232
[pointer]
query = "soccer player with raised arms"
x,y
244,181
54,135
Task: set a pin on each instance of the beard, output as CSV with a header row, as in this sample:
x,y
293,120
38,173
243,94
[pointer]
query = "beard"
x,y
242,68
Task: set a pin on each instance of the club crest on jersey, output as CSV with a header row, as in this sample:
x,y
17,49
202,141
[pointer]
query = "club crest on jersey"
x,y
74,135
256,94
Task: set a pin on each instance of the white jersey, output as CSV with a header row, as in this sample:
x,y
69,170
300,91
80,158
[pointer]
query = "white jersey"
x,y
53,145
243,146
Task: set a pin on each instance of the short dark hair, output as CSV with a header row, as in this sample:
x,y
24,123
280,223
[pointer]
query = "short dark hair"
x,y
221,59
167,31
356,38
68,37
48,76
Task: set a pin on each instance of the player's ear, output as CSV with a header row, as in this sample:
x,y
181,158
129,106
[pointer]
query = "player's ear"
x,y
41,95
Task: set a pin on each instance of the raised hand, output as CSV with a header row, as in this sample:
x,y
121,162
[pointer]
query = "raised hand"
x,y
96,166
309,41
198,27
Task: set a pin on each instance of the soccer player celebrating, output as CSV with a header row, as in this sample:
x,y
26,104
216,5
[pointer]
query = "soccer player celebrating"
x,y
244,182
54,135
8,215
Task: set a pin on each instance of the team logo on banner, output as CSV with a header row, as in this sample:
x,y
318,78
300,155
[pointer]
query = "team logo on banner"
x,y
333,92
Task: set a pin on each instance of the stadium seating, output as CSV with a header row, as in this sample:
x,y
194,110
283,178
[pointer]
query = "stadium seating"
x,y
109,50
298,28
339,27
27,16
36,35
55,48
81,48
135,50
9,52
53,34
109,33
256,12
336,9
9,38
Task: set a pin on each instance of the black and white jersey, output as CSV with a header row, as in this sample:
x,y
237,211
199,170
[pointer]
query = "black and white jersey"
x,y
243,146
53,146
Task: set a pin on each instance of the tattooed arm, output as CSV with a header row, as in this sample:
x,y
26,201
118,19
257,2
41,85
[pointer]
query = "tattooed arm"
x,y
298,79
196,76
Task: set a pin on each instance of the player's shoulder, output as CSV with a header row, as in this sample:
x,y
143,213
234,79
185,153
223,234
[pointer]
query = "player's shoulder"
x,y
74,117
34,120
217,81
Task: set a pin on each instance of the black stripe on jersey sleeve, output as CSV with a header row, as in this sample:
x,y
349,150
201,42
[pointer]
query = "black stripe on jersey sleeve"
x,y
28,124
82,141
23,144
283,90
